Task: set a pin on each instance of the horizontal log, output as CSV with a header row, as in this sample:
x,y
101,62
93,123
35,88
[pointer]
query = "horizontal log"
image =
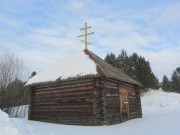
x,y
116,119
112,109
64,90
112,115
112,98
133,113
79,100
110,91
65,106
53,103
133,109
134,116
113,122
64,83
59,99
132,101
83,88
111,83
110,87
112,106
64,117
138,104
63,113
63,110
82,94
62,107
113,95
78,90
130,97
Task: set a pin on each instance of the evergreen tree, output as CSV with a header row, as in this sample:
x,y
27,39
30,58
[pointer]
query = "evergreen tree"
x,y
125,64
142,72
136,67
111,59
176,80
166,84
122,60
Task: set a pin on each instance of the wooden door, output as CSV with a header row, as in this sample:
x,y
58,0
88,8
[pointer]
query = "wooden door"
x,y
124,103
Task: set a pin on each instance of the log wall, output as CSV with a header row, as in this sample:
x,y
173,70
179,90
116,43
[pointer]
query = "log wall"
x,y
112,101
87,101
112,108
68,102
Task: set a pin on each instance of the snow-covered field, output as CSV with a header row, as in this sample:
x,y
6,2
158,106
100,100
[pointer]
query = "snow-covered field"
x,y
161,116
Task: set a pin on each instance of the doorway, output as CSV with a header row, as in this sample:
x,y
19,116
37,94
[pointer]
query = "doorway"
x,y
124,103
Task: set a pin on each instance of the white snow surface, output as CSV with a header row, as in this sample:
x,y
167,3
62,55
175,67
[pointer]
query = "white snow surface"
x,y
156,100
161,116
12,126
77,64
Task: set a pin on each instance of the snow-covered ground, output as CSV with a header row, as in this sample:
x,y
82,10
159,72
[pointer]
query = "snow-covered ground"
x,y
157,100
13,126
161,116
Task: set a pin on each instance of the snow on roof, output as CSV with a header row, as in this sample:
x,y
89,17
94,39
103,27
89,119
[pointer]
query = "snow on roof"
x,y
77,64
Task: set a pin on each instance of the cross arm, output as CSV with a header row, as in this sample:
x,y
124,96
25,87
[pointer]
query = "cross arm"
x,y
86,42
86,28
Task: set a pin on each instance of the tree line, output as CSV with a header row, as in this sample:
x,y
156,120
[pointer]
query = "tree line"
x,y
172,84
138,68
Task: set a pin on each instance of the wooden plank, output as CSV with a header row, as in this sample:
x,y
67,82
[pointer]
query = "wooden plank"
x,y
65,117
65,95
84,88
52,110
64,113
68,102
64,83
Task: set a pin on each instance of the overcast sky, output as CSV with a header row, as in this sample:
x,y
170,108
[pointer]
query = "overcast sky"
x,y
41,32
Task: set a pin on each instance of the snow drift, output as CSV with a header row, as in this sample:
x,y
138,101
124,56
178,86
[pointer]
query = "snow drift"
x,y
156,100
13,126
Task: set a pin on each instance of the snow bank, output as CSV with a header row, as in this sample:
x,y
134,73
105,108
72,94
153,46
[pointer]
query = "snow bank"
x,y
13,126
157,99
74,65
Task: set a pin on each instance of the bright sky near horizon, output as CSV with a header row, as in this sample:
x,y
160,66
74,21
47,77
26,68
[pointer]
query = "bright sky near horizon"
x,y
43,32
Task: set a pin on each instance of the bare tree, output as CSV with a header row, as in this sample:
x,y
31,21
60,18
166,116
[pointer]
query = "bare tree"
x,y
11,67
11,70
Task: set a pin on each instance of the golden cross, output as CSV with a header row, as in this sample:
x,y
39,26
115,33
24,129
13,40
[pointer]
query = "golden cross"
x,y
85,35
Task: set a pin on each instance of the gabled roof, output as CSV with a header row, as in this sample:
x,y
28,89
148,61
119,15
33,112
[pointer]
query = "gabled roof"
x,y
110,71
80,64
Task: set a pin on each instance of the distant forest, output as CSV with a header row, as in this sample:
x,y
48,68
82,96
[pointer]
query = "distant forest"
x,y
138,68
